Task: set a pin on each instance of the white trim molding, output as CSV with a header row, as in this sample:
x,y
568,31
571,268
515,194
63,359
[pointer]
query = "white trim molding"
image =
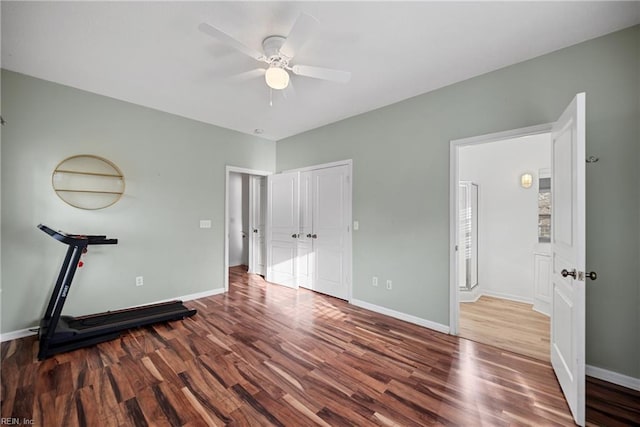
x,y
463,296
508,297
438,327
199,295
613,377
347,162
14,335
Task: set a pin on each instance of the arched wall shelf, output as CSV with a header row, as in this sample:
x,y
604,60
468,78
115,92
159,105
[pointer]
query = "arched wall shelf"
x,y
88,182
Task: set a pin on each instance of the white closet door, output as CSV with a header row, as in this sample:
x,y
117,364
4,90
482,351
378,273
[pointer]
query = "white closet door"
x,y
305,243
283,216
330,231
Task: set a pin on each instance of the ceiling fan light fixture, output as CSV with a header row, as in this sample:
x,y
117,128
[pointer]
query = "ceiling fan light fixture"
x,y
276,78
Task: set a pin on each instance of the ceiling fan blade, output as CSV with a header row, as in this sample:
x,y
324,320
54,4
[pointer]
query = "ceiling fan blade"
x,y
227,39
248,75
304,27
322,73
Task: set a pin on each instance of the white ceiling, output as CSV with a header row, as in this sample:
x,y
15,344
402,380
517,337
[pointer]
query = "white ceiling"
x,y
152,53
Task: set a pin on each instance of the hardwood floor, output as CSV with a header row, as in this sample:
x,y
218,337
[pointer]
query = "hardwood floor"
x,y
264,354
506,324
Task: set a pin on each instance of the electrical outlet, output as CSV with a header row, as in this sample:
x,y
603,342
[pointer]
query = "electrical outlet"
x,y
374,281
139,281
389,284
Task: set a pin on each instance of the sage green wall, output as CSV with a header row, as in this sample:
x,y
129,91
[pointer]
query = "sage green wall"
x,y
175,176
401,182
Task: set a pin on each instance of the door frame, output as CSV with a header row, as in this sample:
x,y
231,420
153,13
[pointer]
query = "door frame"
x,y
228,170
349,214
454,177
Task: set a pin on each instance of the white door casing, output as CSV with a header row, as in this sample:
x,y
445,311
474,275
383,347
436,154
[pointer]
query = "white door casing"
x,y
282,228
568,253
331,228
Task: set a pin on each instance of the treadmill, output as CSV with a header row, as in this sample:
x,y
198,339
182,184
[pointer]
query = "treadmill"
x,y
59,333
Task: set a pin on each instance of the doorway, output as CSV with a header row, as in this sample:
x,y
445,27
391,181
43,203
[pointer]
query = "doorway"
x,y
498,225
567,231
245,198
238,219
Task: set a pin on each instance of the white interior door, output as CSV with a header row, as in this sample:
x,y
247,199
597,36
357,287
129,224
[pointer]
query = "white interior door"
x,y
282,228
306,256
568,255
257,196
330,231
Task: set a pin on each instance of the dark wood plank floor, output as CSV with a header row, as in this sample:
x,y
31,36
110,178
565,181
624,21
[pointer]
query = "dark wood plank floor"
x,y
264,354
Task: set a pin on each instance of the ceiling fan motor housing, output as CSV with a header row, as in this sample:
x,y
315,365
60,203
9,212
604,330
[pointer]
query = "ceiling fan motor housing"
x,y
271,46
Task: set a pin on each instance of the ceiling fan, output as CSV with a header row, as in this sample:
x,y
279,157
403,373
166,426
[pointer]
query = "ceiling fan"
x,y
278,51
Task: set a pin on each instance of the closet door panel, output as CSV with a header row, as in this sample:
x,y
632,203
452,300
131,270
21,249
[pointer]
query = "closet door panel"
x,y
282,228
330,230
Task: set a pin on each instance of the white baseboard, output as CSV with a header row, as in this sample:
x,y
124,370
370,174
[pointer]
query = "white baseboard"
x,y
14,335
193,296
402,316
541,311
507,296
613,377
474,298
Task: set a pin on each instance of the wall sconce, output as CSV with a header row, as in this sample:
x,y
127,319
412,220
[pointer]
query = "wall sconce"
x,y
526,180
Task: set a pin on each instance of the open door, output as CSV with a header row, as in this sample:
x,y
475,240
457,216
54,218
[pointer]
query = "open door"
x,y
568,255
257,198
283,219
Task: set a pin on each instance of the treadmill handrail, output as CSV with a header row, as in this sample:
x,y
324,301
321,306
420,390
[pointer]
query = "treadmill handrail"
x,y
77,240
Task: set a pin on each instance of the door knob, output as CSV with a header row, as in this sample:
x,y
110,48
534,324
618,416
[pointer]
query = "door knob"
x,y
294,235
255,230
309,235
314,236
566,273
592,275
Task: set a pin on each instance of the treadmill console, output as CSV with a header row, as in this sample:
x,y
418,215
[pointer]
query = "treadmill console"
x,y
77,239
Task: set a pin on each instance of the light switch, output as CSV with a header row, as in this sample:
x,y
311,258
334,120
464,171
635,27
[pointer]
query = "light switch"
x,y
205,223
356,225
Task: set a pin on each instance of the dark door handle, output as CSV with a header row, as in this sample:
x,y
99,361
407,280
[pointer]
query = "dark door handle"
x,y
566,273
592,275
314,236
255,230
294,235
